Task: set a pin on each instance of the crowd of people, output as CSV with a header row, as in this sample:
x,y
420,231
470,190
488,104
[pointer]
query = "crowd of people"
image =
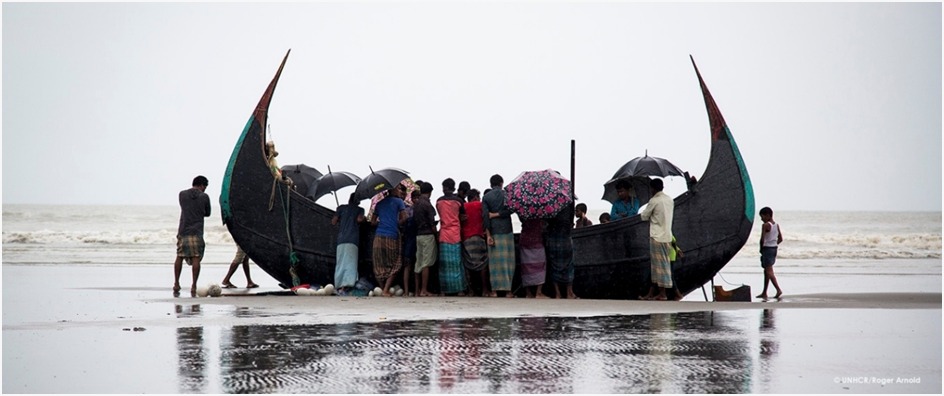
x,y
473,240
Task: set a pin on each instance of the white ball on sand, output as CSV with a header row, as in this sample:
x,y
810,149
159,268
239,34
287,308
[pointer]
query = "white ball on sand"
x,y
329,290
370,293
303,291
399,292
203,291
319,292
378,291
214,290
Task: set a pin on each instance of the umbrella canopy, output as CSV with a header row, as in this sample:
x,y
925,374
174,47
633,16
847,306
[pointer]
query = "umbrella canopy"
x,y
332,182
637,172
648,166
538,194
303,175
379,181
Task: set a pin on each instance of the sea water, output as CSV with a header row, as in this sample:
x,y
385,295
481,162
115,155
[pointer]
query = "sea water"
x,y
820,246
40,234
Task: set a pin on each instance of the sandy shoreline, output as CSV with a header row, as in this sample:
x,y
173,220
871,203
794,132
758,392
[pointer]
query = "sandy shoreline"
x,y
335,309
69,329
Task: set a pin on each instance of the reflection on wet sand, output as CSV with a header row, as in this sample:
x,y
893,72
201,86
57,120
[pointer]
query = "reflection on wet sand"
x,y
769,347
192,356
699,352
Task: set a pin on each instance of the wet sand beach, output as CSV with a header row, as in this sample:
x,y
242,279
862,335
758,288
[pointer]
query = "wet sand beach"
x,y
117,328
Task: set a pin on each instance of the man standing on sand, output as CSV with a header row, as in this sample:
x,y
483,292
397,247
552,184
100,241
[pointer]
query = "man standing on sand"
x,y
659,213
559,247
451,214
388,215
348,218
425,216
474,246
194,206
241,258
496,218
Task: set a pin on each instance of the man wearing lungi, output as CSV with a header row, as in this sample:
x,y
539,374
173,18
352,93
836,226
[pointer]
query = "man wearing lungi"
x,y
194,206
388,215
496,218
659,215
451,212
348,219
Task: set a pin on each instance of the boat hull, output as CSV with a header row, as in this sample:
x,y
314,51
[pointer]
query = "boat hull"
x,y
283,232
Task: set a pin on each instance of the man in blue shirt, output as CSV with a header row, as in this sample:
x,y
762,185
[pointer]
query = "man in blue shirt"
x,y
627,205
387,217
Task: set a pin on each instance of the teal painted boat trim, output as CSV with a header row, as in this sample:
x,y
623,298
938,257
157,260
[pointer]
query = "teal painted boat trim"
x,y
745,178
227,177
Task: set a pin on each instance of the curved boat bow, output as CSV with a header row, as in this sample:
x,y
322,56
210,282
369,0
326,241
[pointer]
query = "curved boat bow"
x,y
712,221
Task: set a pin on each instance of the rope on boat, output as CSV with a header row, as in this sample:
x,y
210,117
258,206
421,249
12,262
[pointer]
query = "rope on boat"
x,y
286,212
726,281
272,195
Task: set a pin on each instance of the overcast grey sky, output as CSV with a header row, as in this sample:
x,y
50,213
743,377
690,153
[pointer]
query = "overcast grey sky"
x,y
834,106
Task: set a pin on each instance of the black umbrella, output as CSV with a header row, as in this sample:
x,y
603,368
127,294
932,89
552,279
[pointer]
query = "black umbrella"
x,y
332,182
648,166
303,175
379,181
637,172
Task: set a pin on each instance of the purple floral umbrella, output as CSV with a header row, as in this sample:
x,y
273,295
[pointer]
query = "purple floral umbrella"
x,y
538,194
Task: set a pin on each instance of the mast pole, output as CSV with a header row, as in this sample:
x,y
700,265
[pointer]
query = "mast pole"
x,y
573,161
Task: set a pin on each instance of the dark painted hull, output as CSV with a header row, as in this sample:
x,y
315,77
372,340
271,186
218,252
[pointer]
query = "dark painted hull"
x,y
293,227
712,222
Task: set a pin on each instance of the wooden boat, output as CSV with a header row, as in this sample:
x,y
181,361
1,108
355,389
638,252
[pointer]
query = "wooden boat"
x,y
280,229
283,232
712,221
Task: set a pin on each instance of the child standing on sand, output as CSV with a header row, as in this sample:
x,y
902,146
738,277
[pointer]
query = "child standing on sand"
x,y
770,237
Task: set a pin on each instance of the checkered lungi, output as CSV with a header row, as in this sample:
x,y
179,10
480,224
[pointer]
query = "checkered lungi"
x,y
190,246
451,272
533,266
475,253
661,267
501,262
560,258
425,252
345,268
386,254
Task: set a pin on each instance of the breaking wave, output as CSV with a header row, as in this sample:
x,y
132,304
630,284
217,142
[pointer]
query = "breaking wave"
x,y
854,246
808,235
795,246
212,235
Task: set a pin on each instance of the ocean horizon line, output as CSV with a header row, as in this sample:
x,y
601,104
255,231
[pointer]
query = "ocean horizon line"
x,y
779,210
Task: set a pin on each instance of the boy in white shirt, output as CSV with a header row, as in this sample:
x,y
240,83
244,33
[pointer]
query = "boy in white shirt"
x,y
770,237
